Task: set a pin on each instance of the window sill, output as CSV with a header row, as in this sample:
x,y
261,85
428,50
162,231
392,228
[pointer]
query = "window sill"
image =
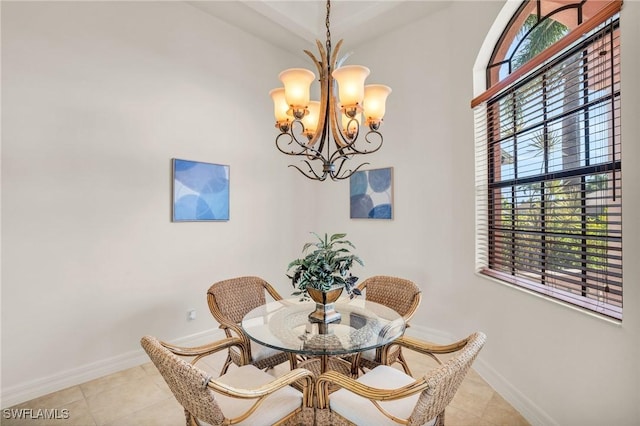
x,y
492,276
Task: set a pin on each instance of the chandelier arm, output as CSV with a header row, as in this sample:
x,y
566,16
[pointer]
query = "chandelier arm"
x,y
322,72
292,139
336,175
325,139
309,176
348,173
341,142
305,146
352,145
347,151
334,111
340,154
380,140
324,57
355,170
355,134
334,54
313,58
346,143
340,61
305,150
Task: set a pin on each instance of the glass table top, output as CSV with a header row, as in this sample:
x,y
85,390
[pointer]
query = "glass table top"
x,y
284,325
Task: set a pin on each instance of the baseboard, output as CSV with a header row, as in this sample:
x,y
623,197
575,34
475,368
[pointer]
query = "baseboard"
x,y
430,334
36,388
529,410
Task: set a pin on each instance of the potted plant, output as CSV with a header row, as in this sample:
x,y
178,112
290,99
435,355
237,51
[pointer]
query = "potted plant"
x,y
322,274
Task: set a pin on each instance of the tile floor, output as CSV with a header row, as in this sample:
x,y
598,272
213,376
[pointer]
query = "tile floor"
x,y
139,396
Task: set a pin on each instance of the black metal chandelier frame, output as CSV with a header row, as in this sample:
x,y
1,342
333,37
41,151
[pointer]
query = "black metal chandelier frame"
x,y
317,147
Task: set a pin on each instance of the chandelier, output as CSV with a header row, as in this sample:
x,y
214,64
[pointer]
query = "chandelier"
x,y
326,133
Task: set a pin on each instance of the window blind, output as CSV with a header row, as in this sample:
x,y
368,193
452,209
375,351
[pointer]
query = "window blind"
x,y
548,175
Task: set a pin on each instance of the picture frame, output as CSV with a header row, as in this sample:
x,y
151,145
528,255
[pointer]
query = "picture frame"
x,y
371,194
200,191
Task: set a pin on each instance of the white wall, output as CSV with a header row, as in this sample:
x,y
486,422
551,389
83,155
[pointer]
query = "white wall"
x,y
96,100
97,97
557,365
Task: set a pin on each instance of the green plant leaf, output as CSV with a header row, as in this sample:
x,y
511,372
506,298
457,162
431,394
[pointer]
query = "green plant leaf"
x,y
328,265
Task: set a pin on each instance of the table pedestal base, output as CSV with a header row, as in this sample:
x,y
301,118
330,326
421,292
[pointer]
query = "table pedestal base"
x,y
325,313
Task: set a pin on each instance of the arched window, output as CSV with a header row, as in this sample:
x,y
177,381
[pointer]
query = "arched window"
x,y
548,157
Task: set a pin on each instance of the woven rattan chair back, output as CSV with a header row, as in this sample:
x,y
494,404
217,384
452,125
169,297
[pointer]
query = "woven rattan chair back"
x,y
443,382
434,390
399,294
235,297
229,301
187,383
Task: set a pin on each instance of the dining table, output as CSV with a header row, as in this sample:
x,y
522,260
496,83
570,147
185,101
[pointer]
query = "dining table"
x,y
285,325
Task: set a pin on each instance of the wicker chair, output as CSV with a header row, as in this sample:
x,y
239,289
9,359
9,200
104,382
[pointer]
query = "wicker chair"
x,y
245,396
387,396
399,294
229,301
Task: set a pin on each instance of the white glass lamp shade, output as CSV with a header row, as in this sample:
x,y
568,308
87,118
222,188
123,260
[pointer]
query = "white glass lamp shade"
x,y
375,98
296,86
350,80
310,121
280,106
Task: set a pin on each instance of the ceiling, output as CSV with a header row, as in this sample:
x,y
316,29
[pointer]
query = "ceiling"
x,y
295,25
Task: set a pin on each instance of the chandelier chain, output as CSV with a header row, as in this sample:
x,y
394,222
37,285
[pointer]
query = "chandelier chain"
x,y
328,25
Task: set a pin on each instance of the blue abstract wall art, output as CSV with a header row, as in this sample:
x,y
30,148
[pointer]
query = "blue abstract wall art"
x,y
200,191
372,194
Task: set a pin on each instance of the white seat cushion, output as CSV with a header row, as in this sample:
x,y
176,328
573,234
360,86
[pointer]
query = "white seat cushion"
x,y
259,352
275,406
361,411
369,355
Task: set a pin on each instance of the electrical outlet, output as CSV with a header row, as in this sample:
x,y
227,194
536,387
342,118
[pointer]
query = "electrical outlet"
x,y
191,314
